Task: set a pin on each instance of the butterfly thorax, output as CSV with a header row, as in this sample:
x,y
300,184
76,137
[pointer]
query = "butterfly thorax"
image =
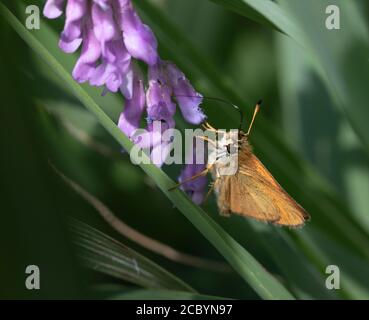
x,y
232,151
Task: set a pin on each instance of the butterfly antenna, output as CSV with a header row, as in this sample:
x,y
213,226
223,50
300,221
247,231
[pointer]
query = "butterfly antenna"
x,y
257,108
220,100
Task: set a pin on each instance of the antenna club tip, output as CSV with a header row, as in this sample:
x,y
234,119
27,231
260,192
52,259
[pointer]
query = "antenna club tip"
x,y
259,102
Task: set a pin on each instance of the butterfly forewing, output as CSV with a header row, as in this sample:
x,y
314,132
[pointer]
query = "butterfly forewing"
x,y
253,192
235,197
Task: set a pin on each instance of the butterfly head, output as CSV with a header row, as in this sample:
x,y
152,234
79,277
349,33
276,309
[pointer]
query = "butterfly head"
x,y
243,137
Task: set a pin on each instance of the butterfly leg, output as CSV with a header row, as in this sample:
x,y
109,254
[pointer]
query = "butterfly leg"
x,y
207,126
197,175
207,140
212,187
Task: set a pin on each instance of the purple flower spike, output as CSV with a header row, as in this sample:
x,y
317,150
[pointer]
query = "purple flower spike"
x,y
153,135
71,37
138,37
126,87
160,144
188,99
189,102
129,120
157,72
112,36
113,71
105,27
90,54
53,9
195,188
103,4
159,103
160,153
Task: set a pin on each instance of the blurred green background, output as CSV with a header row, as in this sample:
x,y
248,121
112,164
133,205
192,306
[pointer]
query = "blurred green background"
x,y
312,135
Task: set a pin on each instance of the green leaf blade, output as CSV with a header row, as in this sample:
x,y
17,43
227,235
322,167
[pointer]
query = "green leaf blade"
x,y
250,270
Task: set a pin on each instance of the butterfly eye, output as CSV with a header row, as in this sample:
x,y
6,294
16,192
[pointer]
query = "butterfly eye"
x,y
242,135
228,148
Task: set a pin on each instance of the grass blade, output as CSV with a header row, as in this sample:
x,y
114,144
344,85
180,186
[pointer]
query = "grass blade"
x,y
265,12
104,254
142,239
161,295
304,279
338,55
251,270
354,271
279,157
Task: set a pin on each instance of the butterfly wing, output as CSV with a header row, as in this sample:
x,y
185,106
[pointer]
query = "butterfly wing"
x,y
234,196
258,177
253,192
